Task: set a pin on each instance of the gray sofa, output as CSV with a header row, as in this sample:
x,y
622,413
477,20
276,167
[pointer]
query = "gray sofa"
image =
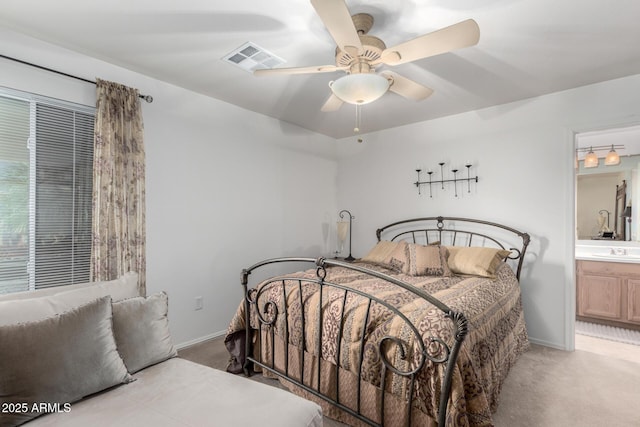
x,y
99,354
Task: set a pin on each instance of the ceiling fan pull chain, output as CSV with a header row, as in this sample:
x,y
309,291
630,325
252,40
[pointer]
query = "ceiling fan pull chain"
x,y
357,128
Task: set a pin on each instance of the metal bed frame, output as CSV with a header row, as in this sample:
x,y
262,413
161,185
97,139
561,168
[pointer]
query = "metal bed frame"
x,y
416,230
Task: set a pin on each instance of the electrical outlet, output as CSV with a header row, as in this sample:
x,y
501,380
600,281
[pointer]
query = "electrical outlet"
x,y
199,303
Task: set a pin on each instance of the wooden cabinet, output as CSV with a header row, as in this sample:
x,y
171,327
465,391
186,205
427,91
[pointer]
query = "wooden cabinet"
x,y
633,305
600,297
608,292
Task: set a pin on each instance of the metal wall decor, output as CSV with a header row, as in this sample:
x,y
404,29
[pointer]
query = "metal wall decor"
x,y
441,181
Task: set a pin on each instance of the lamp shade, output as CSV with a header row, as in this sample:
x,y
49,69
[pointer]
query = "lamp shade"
x,y
360,88
343,229
591,160
612,158
627,212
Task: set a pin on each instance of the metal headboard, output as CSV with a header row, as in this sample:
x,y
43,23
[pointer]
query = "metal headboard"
x,y
456,231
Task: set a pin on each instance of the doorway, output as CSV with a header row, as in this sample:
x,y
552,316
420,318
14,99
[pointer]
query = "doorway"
x,y
600,226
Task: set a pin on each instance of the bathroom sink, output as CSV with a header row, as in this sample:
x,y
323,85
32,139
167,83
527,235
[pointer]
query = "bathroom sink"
x,y
626,256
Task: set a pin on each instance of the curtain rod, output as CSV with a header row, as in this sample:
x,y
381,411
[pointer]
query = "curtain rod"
x,y
147,98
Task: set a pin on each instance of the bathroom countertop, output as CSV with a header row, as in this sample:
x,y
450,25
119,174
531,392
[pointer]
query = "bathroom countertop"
x,y
610,253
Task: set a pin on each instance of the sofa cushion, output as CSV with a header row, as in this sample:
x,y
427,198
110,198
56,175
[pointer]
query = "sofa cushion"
x,y
181,393
127,278
59,360
141,329
23,309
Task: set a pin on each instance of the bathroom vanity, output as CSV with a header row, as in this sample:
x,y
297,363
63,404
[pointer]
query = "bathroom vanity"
x,y
608,285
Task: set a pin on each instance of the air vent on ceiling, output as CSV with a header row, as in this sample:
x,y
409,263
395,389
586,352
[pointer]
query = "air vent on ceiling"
x,y
251,57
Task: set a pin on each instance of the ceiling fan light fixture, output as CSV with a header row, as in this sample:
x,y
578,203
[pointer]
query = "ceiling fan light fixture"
x,y
360,89
613,158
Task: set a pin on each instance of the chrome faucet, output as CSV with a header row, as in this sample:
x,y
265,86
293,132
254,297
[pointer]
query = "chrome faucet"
x,y
618,251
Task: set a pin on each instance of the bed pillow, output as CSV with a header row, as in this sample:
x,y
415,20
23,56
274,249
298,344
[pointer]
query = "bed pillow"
x,y
476,261
430,260
60,359
393,255
141,329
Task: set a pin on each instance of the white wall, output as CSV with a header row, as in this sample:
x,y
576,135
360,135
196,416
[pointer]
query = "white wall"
x,y
523,155
225,187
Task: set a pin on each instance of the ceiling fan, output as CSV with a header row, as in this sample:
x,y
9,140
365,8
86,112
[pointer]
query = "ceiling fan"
x,y
359,54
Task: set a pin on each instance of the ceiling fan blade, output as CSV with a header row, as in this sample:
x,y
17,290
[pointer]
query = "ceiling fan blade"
x,y
299,70
456,36
333,104
406,87
337,18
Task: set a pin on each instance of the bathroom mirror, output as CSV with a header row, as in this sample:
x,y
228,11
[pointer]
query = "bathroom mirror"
x,y
599,198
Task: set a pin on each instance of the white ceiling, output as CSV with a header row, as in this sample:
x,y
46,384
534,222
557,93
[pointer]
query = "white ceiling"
x,y
527,48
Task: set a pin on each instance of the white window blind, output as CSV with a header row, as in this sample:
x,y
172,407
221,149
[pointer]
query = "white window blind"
x,y
46,171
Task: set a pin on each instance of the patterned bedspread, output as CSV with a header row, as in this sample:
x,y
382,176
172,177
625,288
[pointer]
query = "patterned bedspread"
x,y
497,336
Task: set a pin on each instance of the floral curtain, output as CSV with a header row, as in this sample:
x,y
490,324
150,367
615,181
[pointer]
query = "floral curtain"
x,y
119,236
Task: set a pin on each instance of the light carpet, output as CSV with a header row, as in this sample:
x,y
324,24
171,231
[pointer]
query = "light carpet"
x,y
545,388
627,336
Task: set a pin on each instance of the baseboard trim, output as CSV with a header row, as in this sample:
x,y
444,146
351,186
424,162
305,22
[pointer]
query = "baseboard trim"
x,y
199,340
547,344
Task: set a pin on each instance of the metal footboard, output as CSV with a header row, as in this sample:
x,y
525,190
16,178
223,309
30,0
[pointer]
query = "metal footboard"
x,y
272,316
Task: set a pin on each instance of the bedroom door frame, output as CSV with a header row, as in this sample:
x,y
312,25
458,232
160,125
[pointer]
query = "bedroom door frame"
x,y
572,291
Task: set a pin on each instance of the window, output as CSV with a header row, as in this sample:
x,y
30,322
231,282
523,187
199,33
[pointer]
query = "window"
x,y
46,172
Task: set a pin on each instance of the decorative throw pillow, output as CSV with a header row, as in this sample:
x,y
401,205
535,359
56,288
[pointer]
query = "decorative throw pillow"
x,y
125,286
141,329
41,307
476,261
430,260
393,255
58,360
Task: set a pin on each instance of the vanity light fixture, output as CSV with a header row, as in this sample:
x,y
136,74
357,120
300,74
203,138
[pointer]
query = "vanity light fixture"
x,y
612,158
591,159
